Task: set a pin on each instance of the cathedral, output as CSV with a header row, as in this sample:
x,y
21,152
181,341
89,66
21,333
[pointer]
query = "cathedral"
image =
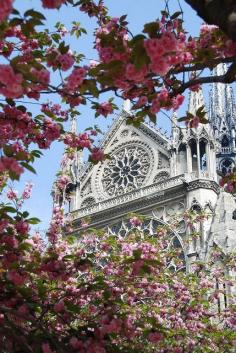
x,y
160,177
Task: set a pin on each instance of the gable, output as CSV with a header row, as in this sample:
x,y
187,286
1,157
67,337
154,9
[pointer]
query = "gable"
x,y
138,157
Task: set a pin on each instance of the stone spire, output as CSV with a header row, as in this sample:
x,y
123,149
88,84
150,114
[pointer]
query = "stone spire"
x,y
196,100
222,108
73,125
127,106
223,225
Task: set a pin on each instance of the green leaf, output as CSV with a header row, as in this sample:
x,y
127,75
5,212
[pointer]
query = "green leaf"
x,y
138,38
137,254
29,167
63,48
15,12
15,22
72,307
151,29
33,220
10,101
9,209
183,118
34,14
8,151
56,37
176,14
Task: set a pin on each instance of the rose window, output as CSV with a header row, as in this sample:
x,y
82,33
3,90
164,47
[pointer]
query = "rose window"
x,y
227,166
126,171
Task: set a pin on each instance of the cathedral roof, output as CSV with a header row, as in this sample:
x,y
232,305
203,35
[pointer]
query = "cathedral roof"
x,y
223,224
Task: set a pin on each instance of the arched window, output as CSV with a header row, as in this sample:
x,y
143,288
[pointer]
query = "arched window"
x,y
225,142
193,146
227,166
203,157
149,227
182,158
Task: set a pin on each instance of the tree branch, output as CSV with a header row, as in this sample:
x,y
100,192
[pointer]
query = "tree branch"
x,y
201,66
229,77
221,13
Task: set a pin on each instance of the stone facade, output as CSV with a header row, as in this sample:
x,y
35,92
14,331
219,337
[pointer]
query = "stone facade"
x,y
161,177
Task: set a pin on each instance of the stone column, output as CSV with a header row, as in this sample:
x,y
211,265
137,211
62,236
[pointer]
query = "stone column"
x,y
198,159
208,159
233,137
189,159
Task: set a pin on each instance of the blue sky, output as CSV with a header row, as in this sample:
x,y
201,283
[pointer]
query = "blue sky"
x,y
138,12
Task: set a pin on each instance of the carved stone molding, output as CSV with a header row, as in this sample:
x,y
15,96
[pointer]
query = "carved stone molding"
x,y
197,184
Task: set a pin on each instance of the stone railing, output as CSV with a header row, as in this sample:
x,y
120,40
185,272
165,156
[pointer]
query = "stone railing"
x,y
199,175
147,191
226,149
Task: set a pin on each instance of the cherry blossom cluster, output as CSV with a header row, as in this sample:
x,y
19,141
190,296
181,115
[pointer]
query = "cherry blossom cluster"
x,y
121,292
55,109
6,7
229,182
94,292
53,4
105,109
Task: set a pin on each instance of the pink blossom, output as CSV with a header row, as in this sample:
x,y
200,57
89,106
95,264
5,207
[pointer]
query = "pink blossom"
x,y
23,310
52,4
222,182
15,277
104,109
177,101
46,348
62,181
230,187
22,227
75,343
154,48
135,221
66,61
155,108
10,164
11,241
160,66
60,306
194,122
12,83
26,194
97,154
155,337
12,194
142,101
76,78
43,75
6,7
135,75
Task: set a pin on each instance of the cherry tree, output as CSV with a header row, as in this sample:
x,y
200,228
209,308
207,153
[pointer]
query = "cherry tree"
x,y
102,294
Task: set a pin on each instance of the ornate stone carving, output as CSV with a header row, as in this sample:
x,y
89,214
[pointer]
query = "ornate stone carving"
x,y
89,201
204,185
86,189
134,134
127,170
161,176
124,133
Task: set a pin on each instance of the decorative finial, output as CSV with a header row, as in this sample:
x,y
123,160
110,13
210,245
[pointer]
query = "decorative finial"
x,y
73,126
174,119
222,104
196,100
127,106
